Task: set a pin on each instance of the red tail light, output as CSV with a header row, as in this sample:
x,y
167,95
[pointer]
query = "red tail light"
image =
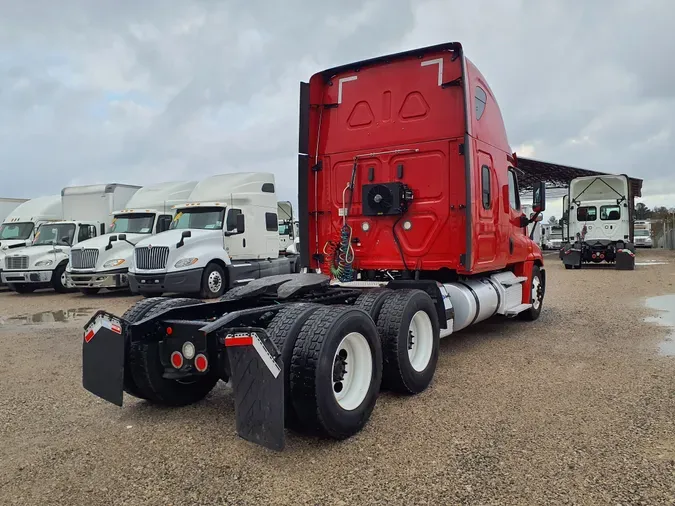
x,y
201,363
177,359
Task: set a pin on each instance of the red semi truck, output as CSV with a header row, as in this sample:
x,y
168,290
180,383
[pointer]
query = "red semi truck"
x,y
411,228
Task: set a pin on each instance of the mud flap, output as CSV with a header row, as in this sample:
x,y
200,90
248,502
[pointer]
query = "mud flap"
x,y
103,357
571,256
625,260
258,381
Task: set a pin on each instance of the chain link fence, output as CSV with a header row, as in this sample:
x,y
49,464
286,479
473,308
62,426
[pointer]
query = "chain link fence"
x,y
666,239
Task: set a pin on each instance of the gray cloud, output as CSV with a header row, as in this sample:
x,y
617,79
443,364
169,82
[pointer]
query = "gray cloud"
x,y
158,90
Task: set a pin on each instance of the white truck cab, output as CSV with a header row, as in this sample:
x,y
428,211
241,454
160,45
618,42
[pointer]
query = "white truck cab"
x,y
87,211
19,227
224,236
643,234
599,218
287,227
103,262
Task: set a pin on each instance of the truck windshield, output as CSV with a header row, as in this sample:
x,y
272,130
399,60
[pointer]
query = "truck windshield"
x,y
61,234
642,233
20,231
136,223
209,218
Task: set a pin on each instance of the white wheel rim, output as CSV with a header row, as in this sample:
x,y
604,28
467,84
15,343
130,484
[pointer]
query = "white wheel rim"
x,y
352,371
215,281
64,280
535,293
420,341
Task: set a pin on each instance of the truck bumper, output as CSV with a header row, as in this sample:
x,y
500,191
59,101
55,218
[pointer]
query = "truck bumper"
x,y
109,279
41,277
183,282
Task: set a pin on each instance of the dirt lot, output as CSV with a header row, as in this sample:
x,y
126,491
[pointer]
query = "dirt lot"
x,y
576,408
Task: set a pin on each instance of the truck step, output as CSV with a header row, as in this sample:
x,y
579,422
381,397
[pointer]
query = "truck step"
x,y
517,309
513,281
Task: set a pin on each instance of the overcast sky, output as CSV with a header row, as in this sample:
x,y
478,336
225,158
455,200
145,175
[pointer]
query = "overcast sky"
x,y
147,91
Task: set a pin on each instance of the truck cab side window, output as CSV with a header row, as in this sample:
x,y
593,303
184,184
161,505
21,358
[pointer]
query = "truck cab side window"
x,y
271,222
514,196
231,222
481,101
163,223
86,232
485,185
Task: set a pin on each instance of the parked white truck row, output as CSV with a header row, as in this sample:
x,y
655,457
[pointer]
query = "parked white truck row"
x,y
187,237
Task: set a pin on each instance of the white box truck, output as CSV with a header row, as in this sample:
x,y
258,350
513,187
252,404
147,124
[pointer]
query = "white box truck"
x,y
103,261
20,225
226,235
643,234
7,205
599,221
87,212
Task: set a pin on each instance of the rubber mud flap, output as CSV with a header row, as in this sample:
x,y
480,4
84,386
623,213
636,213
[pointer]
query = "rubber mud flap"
x,y
571,257
103,357
258,383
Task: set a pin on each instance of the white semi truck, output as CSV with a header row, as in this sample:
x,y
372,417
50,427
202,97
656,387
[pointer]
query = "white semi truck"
x,y
20,225
226,235
599,221
86,211
103,261
287,233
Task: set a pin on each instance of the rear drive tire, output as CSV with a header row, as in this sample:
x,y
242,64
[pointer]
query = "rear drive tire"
x,y
410,332
136,313
336,370
283,331
372,300
536,296
59,279
147,370
213,282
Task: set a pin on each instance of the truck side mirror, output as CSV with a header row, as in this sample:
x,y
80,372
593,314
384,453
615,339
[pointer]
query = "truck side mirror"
x,y
122,237
539,197
235,223
183,236
111,240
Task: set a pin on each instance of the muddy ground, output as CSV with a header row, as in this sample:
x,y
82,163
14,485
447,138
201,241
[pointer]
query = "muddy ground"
x,y
575,408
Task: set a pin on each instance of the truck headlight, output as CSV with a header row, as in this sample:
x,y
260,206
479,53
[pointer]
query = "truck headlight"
x,y
113,263
184,262
44,263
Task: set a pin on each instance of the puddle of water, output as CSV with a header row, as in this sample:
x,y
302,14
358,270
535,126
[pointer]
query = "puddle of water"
x,y
665,304
60,316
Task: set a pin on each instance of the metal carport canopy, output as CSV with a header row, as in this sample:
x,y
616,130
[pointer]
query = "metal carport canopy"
x,y
531,172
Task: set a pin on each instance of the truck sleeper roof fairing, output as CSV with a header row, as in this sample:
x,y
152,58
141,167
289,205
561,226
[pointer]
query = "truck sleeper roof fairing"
x,y
405,117
240,188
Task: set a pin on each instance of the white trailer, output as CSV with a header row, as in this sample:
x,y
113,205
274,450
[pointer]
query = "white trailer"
x,y
87,212
103,262
599,221
20,225
226,235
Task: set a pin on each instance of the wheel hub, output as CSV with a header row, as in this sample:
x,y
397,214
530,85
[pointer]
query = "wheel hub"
x,y
352,371
215,281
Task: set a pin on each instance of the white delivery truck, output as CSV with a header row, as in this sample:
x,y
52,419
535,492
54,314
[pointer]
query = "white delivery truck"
x,y
7,205
643,234
226,235
533,228
19,226
87,211
553,237
103,261
599,220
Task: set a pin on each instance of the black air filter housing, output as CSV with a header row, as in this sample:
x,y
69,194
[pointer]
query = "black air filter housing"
x,y
385,199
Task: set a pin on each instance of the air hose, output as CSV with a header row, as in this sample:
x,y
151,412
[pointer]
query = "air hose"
x,y
339,255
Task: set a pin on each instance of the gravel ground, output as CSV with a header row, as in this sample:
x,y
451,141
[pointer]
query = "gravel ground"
x,y
576,408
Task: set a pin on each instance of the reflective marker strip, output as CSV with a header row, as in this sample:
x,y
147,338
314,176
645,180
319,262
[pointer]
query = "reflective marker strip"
x,y
254,340
101,322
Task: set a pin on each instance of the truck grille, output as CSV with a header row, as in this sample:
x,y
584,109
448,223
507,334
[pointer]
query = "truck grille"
x,y
83,258
16,263
152,258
